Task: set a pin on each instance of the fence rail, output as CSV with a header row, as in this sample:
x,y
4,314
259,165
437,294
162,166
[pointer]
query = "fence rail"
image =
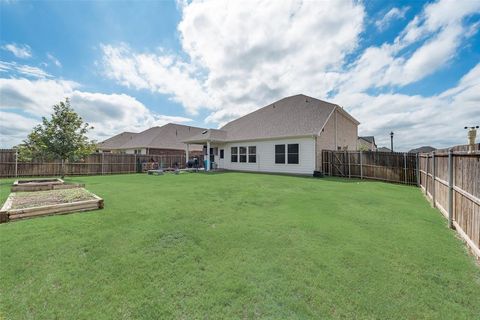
x,y
385,166
94,164
451,181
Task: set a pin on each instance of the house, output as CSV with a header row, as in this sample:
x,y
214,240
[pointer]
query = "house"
x,y
424,149
287,136
383,149
116,141
164,140
366,143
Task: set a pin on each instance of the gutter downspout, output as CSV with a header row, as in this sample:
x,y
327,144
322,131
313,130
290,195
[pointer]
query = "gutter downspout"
x,y
335,124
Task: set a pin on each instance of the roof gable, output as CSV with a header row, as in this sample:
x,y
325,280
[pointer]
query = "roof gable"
x,y
169,136
297,115
117,140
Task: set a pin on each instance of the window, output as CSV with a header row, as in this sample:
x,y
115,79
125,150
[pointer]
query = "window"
x,y
137,151
234,154
221,154
293,153
279,153
252,154
243,154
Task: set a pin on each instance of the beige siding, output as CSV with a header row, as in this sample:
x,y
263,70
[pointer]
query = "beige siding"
x,y
365,145
339,131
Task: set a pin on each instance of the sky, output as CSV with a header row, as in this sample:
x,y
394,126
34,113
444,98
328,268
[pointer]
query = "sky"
x,y
410,67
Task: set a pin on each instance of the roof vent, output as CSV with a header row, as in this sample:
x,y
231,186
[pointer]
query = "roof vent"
x,y
205,131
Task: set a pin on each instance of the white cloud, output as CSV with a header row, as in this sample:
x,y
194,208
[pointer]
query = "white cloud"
x,y
245,54
392,14
54,60
433,40
158,73
23,70
416,120
14,128
108,113
22,51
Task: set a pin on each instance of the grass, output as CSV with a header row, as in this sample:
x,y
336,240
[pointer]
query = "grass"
x,y
42,198
238,246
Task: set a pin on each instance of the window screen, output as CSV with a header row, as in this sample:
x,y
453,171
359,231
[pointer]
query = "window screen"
x,y
279,153
293,153
234,154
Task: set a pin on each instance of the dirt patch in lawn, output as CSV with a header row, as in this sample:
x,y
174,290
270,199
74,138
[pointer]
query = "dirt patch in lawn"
x,y
23,200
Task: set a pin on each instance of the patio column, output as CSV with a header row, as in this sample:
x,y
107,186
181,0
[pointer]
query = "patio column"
x,y
208,156
187,152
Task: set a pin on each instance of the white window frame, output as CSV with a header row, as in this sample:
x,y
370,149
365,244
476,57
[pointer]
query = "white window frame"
x,y
286,154
248,154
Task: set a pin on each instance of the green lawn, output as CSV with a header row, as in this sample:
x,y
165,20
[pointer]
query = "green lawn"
x,y
238,245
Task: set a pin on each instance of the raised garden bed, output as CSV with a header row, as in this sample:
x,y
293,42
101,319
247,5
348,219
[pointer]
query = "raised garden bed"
x,y
21,205
42,184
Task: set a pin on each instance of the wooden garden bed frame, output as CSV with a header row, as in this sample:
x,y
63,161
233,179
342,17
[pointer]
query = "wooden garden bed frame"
x,y
42,185
9,214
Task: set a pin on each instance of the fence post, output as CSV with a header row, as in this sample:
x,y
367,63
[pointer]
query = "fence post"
x,y
405,167
16,163
135,163
361,166
433,179
348,156
450,188
103,157
417,169
330,163
426,175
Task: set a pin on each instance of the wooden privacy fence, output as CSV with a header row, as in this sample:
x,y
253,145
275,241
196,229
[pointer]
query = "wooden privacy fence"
x,y
94,164
451,180
385,166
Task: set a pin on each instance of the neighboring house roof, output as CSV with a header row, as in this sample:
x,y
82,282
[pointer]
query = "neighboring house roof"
x,y
383,149
116,141
369,139
169,136
424,149
297,115
210,134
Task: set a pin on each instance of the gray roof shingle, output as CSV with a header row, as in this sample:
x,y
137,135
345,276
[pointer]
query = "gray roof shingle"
x,y
169,136
297,115
116,141
370,139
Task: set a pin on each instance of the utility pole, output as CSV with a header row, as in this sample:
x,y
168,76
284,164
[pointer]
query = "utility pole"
x,y
391,141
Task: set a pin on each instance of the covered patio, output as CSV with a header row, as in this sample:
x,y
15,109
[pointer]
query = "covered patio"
x,y
213,141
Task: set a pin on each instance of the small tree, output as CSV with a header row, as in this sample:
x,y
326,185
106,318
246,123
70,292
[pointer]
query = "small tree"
x,y
63,137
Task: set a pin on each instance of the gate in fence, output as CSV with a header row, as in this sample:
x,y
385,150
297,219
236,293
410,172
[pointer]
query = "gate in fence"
x,y
385,166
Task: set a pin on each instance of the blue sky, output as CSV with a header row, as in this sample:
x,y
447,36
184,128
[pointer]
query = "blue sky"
x,y
410,67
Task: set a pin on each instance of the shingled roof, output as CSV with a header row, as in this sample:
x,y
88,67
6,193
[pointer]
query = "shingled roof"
x,y
370,139
169,136
116,141
298,115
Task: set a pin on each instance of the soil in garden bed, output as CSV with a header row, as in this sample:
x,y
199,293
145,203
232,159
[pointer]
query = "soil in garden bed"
x,y
27,182
24,200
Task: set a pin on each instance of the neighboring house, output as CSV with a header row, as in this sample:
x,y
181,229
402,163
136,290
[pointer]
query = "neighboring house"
x,y
287,136
366,143
115,141
383,149
165,140
424,149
